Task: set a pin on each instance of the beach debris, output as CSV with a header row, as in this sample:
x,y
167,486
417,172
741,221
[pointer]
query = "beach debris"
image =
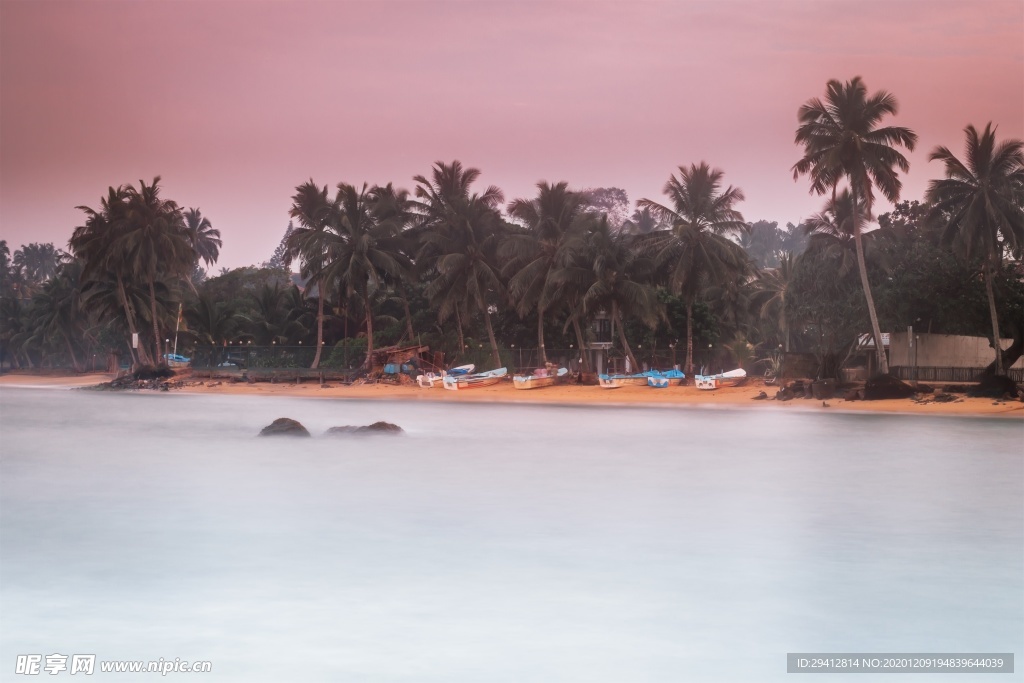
x,y
825,405
375,428
823,389
881,387
760,396
994,386
284,426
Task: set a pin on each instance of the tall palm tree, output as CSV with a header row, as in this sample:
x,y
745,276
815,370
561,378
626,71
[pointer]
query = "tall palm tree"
x,y
155,244
460,232
550,218
392,210
600,269
980,206
695,250
315,212
359,251
55,316
95,242
841,142
38,261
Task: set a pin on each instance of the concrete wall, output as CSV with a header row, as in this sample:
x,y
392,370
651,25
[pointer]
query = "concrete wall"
x,y
943,351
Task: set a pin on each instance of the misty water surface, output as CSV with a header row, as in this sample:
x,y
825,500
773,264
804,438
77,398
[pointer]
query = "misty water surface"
x,y
501,543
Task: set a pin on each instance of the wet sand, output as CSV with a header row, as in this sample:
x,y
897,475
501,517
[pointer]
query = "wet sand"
x,y
731,397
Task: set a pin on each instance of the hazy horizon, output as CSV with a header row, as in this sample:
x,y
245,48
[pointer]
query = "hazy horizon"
x,y
234,103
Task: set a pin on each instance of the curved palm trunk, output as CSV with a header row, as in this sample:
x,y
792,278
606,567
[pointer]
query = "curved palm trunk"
x,y
319,327
622,338
369,332
156,323
883,364
585,360
996,338
74,359
689,338
540,335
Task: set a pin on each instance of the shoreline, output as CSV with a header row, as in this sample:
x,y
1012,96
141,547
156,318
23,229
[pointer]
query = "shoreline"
x,y
561,395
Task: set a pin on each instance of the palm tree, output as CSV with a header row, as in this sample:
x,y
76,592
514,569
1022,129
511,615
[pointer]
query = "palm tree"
x,y
601,269
841,141
460,232
55,316
695,250
359,251
980,207
392,210
773,289
96,242
39,262
832,231
552,217
314,211
155,244
203,237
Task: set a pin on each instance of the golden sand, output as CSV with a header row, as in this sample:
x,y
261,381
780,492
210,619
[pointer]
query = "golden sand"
x,y
732,397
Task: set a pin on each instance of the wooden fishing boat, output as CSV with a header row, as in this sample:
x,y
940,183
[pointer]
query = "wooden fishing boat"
x,y
625,380
723,379
657,382
674,377
476,381
435,380
539,378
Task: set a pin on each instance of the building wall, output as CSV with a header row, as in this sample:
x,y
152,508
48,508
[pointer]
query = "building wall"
x,y
943,351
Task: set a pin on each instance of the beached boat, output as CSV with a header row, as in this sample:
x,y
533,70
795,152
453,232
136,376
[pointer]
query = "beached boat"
x,y
657,382
476,381
639,380
606,382
435,380
674,377
173,360
539,378
723,379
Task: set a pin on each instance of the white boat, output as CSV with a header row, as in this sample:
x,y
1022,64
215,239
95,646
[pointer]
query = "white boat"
x,y
606,382
723,379
481,379
539,378
435,380
658,382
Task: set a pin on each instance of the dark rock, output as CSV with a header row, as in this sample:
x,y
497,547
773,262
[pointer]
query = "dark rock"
x,y
956,389
854,395
994,386
284,426
882,387
146,372
760,396
375,428
946,398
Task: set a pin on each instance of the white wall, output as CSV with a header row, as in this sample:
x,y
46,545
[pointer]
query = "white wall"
x,y
944,351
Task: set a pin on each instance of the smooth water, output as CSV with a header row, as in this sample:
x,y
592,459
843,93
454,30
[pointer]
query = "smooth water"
x,y
501,543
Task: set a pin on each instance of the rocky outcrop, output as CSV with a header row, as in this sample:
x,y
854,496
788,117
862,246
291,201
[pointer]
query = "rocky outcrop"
x,y
375,428
284,426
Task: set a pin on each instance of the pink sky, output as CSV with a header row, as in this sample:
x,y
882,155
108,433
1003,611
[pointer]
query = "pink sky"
x,y
235,102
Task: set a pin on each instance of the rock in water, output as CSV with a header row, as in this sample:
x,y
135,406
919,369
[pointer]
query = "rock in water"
x,y
284,426
375,428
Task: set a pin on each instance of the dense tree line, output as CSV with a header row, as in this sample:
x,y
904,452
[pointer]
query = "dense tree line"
x,y
454,265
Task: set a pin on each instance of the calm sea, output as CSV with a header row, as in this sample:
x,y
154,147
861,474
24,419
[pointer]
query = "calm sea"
x,y
500,543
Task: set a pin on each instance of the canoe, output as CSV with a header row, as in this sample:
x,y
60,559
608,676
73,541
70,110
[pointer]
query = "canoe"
x,y
476,381
723,379
539,379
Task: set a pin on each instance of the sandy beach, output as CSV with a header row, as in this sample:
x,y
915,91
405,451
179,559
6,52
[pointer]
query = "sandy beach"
x,y
636,396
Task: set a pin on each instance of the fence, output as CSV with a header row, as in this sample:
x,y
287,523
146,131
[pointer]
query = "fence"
x,y
248,357
948,374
